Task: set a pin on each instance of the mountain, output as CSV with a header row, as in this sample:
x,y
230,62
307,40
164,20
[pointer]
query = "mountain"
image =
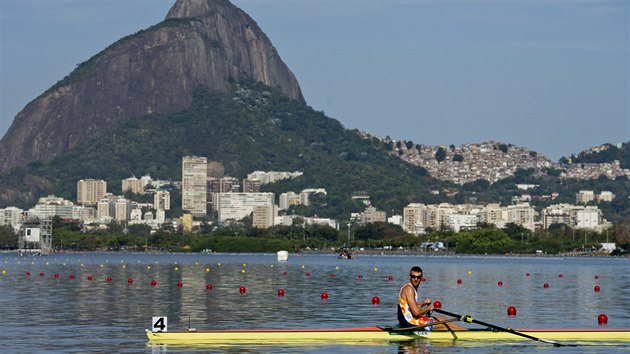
x,y
201,43
256,128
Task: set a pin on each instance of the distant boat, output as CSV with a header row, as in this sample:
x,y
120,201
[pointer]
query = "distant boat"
x,y
283,256
345,254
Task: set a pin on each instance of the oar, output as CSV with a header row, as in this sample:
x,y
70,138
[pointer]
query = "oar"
x,y
509,330
413,328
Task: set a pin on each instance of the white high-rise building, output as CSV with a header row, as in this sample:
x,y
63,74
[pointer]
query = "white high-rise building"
x,y
236,206
194,176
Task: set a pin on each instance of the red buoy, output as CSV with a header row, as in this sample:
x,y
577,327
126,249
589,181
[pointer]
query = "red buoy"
x,y
109,279
423,279
130,281
376,300
284,274
511,311
500,283
180,284
56,275
596,288
241,290
596,277
390,278
602,319
360,276
28,274
308,274
71,276
280,292
545,285
332,275
41,274
459,281
324,296
153,282
89,277
527,274
437,304
209,286
560,275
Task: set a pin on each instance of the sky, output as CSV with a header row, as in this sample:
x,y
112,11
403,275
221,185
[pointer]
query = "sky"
x,y
551,76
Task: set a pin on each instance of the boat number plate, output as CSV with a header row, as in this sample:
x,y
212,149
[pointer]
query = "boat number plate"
x,y
159,324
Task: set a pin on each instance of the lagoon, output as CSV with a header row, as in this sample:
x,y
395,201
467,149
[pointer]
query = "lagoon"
x,y
43,309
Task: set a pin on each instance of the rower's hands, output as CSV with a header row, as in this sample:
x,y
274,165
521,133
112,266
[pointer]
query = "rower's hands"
x,y
426,302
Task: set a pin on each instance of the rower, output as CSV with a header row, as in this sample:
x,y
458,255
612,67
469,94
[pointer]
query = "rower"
x,y
412,313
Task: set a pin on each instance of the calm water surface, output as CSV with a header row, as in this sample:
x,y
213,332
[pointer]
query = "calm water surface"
x,y
44,313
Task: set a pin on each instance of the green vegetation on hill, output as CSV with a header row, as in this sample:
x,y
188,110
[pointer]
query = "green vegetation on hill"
x,y
256,129
611,154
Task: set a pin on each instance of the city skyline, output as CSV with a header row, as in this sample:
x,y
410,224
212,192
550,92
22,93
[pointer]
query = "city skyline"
x,y
549,76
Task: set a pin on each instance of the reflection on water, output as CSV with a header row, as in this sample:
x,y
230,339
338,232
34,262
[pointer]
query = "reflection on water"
x,y
58,313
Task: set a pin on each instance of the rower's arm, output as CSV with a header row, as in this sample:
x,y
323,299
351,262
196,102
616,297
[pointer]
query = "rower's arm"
x,y
415,308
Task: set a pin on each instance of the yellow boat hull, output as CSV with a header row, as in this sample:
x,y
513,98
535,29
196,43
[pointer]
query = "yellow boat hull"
x,y
372,334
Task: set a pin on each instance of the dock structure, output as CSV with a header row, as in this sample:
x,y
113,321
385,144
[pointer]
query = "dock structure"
x,y
35,237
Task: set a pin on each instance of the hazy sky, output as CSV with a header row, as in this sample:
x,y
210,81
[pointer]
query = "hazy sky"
x,y
548,75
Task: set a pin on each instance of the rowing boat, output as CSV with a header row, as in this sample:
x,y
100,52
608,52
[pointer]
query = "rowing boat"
x,y
371,334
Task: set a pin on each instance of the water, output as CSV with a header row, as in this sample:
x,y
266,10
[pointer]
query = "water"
x,y
59,314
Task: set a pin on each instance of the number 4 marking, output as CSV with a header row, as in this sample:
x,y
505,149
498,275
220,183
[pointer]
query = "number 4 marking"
x,y
160,324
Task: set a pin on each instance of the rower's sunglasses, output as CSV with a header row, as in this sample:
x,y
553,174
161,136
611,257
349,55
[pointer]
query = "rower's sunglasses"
x,y
415,276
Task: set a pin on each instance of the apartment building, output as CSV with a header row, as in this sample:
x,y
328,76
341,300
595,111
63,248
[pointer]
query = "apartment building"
x,y
162,200
90,191
236,206
263,216
194,185
135,185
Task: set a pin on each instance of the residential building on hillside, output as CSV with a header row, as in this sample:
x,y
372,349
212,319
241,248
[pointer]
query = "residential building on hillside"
x,y
194,179
287,200
236,206
90,191
575,216
263,216
11,216
135,185
48,207
251,185
369,215
162,200
605,196
272,176
583,197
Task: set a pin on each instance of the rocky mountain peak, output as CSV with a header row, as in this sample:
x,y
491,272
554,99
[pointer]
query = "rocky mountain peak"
x,y
203,43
